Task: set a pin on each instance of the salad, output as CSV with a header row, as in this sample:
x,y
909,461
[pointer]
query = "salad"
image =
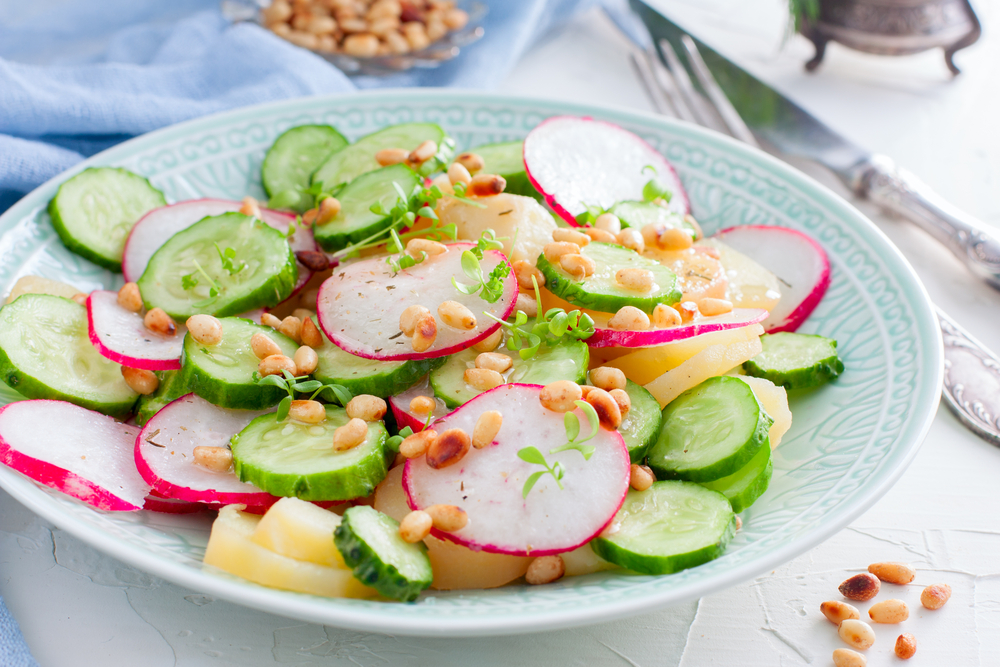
x,y
415,369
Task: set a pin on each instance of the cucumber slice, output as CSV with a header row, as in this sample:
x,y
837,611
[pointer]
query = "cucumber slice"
x,y
748,483
796,361
638,214
294,156
669,527
370,543
601,291
173,281
507,159
171,388
641,425
223,374
290,458
350,162
45,352
709,431
94,211
566,361
356,221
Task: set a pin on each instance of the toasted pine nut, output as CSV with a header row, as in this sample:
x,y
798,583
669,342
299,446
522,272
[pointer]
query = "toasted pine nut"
x,y
553,251
278,12
641,477
860,587
321,25
651,234
482,379
424,333
308,412
328,210
664,316
578,266
490,343
485,185
560,396
424,152
350,435
935,595
494,361
623,400
674,239
455,18
739,523
309,217
845,657
889,611
140,381
310,334
486,429
607,378
303,314
315,261
856,633
545,570
906,646
367,407
609,222
422,405
269,320
416,246
306,360
205,329
360,45
456,315
80,298
415,526
631,239
416,445
274,365
837,611
448,448
129,297
629,318
448,518
291,326
408,320
600,235
688,310
263,346
564,235
390,156
638,280
216,459
527,304
250,207
893,573
457,173
158,321
471,161
606,408
524,270
709,306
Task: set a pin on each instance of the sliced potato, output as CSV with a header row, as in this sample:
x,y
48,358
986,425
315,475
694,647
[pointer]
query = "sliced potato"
x,y
583,560
300,530
775,402
699,275
750,284
508,216
39,285
713,360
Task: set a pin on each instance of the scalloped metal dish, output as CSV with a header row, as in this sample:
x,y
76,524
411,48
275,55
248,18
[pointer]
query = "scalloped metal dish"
x,y
849,442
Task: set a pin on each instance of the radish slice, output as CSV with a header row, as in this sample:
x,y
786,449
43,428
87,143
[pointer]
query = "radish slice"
x,y
156,227
155,503
121,336
164,453
400,405
738,317
80,452
488,482
798,261
575,162
360,304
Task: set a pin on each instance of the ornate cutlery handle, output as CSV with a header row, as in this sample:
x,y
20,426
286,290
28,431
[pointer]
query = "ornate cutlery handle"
x,y
971,380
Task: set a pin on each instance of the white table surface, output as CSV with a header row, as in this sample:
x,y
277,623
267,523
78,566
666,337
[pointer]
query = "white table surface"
x,y
79,607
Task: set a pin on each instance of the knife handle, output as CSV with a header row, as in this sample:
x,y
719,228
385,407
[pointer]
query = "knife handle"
x,y
881,181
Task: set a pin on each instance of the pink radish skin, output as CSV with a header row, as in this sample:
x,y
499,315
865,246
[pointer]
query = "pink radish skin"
x,y
740,317
121,336
179,427
400,405
80,452
799,262
360,304
576,162
487,483
154,503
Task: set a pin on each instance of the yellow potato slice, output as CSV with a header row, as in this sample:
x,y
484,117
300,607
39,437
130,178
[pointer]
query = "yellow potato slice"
x,y
750,284
300,530
583,560
39,285
508,216
713,360
775,402
699,275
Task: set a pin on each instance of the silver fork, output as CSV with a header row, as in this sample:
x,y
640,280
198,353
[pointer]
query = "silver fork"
x,y
971,387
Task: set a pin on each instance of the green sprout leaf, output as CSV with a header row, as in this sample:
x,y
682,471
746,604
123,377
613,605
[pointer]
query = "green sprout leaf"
x,y
533,456
283,407
228,259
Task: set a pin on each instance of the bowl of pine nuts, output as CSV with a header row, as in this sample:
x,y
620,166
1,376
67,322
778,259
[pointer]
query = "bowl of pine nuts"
x,y
369,36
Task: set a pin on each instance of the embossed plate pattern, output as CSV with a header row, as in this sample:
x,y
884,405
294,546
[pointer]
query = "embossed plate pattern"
x,y
849,442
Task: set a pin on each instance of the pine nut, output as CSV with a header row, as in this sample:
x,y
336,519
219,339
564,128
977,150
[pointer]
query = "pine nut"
x,y
205,329
560,396
845,657
216,459
424,152
367,407
491,342
321,25
609,222
329,208
641,477
629,318
564,235
935,595
408,320
306,360
455,19
906,646
414,446
306,40
291,326
315,261
578,266
277,12
80,298
250,207
422,405
360,45
545,570
623,400
674,239
304,314
275,364
424,333
739,523
607,378
350,435
416,36
390,156
837,612
159,322
889,611
860,587
524,270
553,251
457,173
415,526
486,429
606,408
527,304
448,518
307,412
482,379
456,315
638,280
269,320
471,161
448,448
129,297
893,573
631,239
707,251
709,306
600,235
665,317
688,310
416,246
310,334
263,346
309,217
585,389
494,361
856,633
485,185
651,234
140,381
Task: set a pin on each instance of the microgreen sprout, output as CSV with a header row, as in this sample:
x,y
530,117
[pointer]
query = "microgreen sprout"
x,y
653,189
489,288
532,455
228,259
572,424
302,385
589,215
395,441
190,281
460,194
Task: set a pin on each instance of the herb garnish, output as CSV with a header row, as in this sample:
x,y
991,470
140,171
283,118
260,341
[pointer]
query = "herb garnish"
x,y
532,455
572,424
549,328
653,192
228,259
301,385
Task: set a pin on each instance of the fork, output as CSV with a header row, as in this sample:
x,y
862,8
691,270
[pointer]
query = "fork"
x,y
971,371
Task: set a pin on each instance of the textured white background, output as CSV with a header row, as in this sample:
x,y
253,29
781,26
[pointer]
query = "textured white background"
x,y
78,607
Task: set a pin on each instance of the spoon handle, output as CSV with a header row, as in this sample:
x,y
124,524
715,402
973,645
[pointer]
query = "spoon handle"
x,y
971,380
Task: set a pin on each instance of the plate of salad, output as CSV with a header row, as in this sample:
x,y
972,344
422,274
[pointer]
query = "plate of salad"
x,y
451,364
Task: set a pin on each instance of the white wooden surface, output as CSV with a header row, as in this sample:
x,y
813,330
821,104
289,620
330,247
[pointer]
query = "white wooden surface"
x,y
78,607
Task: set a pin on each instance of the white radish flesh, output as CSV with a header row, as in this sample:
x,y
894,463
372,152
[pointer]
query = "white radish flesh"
x,y
735,319
122,336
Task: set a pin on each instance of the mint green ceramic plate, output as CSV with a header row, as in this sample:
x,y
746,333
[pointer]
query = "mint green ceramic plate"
x,y
849,442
